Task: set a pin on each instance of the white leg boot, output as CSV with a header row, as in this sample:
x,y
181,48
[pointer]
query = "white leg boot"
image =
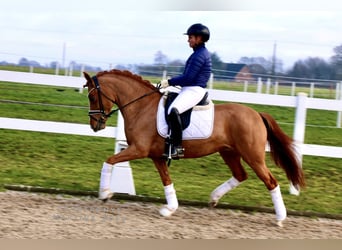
x,y
222,190
106,174
279,206
172,201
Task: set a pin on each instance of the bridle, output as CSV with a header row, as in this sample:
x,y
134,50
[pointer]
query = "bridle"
x,y
101,111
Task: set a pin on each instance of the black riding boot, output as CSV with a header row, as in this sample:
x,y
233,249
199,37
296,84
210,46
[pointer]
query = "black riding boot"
x,y
173,146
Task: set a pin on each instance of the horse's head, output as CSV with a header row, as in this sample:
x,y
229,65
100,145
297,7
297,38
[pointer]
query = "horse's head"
x,y
100,104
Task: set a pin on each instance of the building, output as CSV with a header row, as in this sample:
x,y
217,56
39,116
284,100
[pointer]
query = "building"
x,y
234,72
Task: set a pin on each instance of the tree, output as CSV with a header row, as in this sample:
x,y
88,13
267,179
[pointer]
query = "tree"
x,y
176,66
54,64
336,62
216,61
299,70
337,58
160,58
312,67
25,62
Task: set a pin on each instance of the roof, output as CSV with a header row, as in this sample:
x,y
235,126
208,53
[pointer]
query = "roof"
x,y
232,69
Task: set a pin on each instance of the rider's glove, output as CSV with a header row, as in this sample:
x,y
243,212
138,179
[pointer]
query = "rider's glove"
x,y
164,83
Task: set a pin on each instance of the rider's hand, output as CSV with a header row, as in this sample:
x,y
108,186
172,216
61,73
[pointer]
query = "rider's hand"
x,y
164,83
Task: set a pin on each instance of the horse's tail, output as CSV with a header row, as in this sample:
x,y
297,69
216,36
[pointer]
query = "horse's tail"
x,y
283,151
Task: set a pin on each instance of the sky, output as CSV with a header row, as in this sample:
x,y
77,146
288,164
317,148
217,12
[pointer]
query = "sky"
x,y
104,33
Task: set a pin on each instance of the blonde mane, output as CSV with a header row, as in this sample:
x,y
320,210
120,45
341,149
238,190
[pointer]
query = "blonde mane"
x,y
129,74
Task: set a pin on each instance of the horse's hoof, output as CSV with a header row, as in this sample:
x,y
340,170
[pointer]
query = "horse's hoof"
x,y
280,223
212,203
166,212
105,195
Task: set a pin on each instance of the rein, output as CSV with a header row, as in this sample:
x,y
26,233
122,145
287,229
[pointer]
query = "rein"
x,y
100,94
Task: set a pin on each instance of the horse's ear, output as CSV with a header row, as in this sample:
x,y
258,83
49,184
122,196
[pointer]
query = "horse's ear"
x,y
87,76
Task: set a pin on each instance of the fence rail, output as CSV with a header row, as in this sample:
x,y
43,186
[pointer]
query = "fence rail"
x,y
55,127
274,100
43,79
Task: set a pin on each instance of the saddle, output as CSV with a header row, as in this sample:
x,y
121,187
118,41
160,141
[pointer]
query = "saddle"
x,y
185,116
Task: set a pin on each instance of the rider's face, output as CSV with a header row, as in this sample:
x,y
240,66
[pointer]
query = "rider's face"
x,y
194,40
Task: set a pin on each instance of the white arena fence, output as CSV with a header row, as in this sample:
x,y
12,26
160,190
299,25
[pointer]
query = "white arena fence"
x,y
300,102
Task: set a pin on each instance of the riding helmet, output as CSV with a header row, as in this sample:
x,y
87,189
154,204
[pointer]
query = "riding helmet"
x,y
199,29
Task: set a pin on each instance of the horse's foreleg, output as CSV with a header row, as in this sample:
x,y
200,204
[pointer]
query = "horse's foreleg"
x,y
106,173
169,190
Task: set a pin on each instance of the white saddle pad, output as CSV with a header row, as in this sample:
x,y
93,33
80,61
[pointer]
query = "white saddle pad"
x,y
201,122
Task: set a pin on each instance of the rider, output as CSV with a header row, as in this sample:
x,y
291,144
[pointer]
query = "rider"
x,y
193,81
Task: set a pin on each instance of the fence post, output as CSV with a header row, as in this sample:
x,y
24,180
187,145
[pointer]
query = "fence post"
x,y
57,68
299,131
81,75
259,87
276,85
122,177
245,86
312,87
82,70
71,68
293,89
164,74
339,97
268,85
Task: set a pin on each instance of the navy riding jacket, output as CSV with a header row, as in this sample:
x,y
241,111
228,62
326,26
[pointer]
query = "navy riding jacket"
x,y
197,69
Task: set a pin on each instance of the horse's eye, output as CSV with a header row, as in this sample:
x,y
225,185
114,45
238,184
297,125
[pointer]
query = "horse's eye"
x,y
92,98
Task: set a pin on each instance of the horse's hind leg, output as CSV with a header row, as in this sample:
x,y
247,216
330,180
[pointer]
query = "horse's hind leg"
x,y
233,160
259,166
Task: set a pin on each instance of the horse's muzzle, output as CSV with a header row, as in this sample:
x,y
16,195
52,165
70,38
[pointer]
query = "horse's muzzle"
x,y
97,123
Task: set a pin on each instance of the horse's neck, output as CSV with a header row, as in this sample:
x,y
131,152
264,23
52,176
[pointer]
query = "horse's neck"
x,y
128,92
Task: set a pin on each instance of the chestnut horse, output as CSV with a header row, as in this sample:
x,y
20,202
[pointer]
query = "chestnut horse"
x,y
239,133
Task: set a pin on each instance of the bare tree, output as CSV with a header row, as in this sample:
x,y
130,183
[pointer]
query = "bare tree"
x,y
312,67
160,58
336,62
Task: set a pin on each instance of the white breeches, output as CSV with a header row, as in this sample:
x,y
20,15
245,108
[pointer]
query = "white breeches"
x,y
187,98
